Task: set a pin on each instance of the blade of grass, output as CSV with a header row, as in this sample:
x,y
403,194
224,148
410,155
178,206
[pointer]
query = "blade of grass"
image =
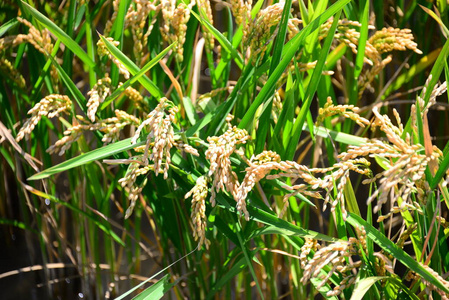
x,y
133,69
149,279
136,77
90,45
65,39
117,31
221,39
362,286
238,267
286,227
86,158
158,289
436,18
76,93
7,26
17,224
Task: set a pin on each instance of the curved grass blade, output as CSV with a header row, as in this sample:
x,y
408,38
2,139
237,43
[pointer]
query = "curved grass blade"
x,y
133,69
65,39
136,77
436,18
157,290
221,39
285,227
88,157
17,224
7,26
106,230
391,248
362,286
337,136
163,270
236,269
76,93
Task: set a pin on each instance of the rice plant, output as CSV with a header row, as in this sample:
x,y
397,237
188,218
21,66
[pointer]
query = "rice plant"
x,y
225,149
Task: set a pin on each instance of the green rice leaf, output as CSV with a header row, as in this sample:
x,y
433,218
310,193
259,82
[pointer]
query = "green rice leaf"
x,y
238,267
148,66
60,34
133,69
7,26
17,224
157,290
88,157
362,286
221,39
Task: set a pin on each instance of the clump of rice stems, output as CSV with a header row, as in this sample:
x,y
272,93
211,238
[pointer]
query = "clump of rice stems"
x,y
224,178
198,215
41,40
384,41
438,90
174,27
340,256
260,29
402,177
347,32
343,258
98,94
103,51
51,106
259,167
111,20
261,33
390,39
337,173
